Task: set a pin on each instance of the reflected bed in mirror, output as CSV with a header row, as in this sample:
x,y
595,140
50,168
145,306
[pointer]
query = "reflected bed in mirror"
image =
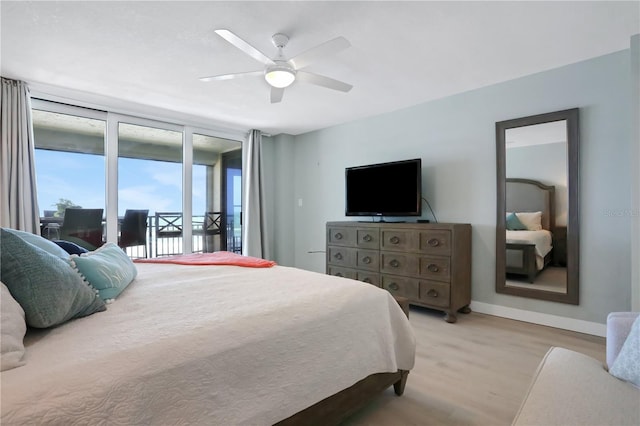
x,y
537,217
533,259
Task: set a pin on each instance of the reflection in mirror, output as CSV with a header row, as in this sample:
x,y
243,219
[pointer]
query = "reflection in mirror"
x,y
536,200
536,241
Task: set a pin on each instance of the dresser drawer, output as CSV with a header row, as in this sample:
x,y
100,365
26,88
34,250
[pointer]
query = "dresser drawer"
x,y
368,259
435,242
342,256
398,240
434,293
342,272
435,268
342,236
368,238
400,286
399,263
369,278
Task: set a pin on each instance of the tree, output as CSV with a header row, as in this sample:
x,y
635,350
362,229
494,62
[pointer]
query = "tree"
x,y
63,204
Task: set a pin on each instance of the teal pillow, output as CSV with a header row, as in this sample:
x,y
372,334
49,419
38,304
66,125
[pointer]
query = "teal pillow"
x,y
514,224
108,269
627,365
38,241
48,289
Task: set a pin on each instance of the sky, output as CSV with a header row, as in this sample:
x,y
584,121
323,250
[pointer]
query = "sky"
x,y
142,184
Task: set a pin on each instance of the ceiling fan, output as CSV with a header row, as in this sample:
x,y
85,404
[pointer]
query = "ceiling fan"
x,y
280,72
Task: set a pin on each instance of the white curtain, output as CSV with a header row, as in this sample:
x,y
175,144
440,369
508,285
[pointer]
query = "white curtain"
x,y
254,233
18,199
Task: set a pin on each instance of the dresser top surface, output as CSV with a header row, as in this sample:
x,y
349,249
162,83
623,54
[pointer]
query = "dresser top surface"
x,y
397,225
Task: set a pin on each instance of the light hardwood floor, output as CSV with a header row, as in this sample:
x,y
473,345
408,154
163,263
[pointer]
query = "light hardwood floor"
x,y
473,372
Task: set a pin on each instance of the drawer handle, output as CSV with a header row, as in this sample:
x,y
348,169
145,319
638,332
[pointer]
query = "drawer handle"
x,y
433,242
367,280
366,260
338,236
338,256
433,267
394,263
367,238
394,286
432,293
394,240
339,274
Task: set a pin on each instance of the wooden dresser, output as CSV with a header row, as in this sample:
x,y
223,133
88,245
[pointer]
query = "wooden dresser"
x,y
428,263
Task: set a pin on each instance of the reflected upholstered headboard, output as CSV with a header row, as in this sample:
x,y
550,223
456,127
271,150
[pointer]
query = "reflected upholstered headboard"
x,y
527,195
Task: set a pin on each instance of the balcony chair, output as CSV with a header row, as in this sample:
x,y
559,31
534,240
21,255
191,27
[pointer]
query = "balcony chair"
x,y
133,230
83,227
211,226
168,225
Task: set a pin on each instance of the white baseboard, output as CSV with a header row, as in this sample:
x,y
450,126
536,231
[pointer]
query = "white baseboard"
x,y
549,320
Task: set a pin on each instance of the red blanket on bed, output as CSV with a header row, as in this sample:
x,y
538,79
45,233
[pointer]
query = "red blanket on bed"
x,y
217,258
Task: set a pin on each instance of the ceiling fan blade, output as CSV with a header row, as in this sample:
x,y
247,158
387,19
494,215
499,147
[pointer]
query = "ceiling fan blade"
x,y
244,46
231,76
276,94
327,48
321,80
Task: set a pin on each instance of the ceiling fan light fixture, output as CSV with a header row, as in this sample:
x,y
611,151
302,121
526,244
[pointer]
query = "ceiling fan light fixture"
x,y
280,76
279,72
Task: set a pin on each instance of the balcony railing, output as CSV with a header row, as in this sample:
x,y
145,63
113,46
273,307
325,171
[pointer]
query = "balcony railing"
x,y
166,239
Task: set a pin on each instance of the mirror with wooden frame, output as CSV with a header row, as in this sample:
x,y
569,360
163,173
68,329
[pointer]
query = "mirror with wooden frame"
x,y
537,229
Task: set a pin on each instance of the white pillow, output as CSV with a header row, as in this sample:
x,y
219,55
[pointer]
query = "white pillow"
x,y
533,220
627,365
13,328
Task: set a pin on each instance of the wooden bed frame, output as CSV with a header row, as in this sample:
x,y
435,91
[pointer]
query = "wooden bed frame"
x,y
527,195
336,408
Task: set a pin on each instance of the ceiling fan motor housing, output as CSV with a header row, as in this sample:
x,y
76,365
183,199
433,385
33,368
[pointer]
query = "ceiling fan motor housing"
x,y
280,40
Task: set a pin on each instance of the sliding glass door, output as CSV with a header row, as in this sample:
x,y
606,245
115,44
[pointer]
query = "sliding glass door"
x,y
70,164
232,199
162,187
209,206
150,181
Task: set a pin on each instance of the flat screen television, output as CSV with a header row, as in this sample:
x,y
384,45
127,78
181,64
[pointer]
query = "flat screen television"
x,y
385,189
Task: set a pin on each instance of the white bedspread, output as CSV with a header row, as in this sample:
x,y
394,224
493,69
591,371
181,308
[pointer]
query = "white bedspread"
x,y
210,345
541,239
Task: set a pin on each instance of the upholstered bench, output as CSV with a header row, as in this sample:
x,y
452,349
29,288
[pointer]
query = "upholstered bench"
x,y
570,388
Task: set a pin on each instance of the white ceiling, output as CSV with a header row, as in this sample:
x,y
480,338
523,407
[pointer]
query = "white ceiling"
x,y
403,53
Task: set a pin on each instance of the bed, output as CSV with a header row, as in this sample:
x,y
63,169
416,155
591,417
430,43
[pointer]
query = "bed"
x,y
215,345
529,248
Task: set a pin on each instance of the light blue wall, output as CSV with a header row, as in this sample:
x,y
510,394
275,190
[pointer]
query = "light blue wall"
x,y
278,162
455,137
